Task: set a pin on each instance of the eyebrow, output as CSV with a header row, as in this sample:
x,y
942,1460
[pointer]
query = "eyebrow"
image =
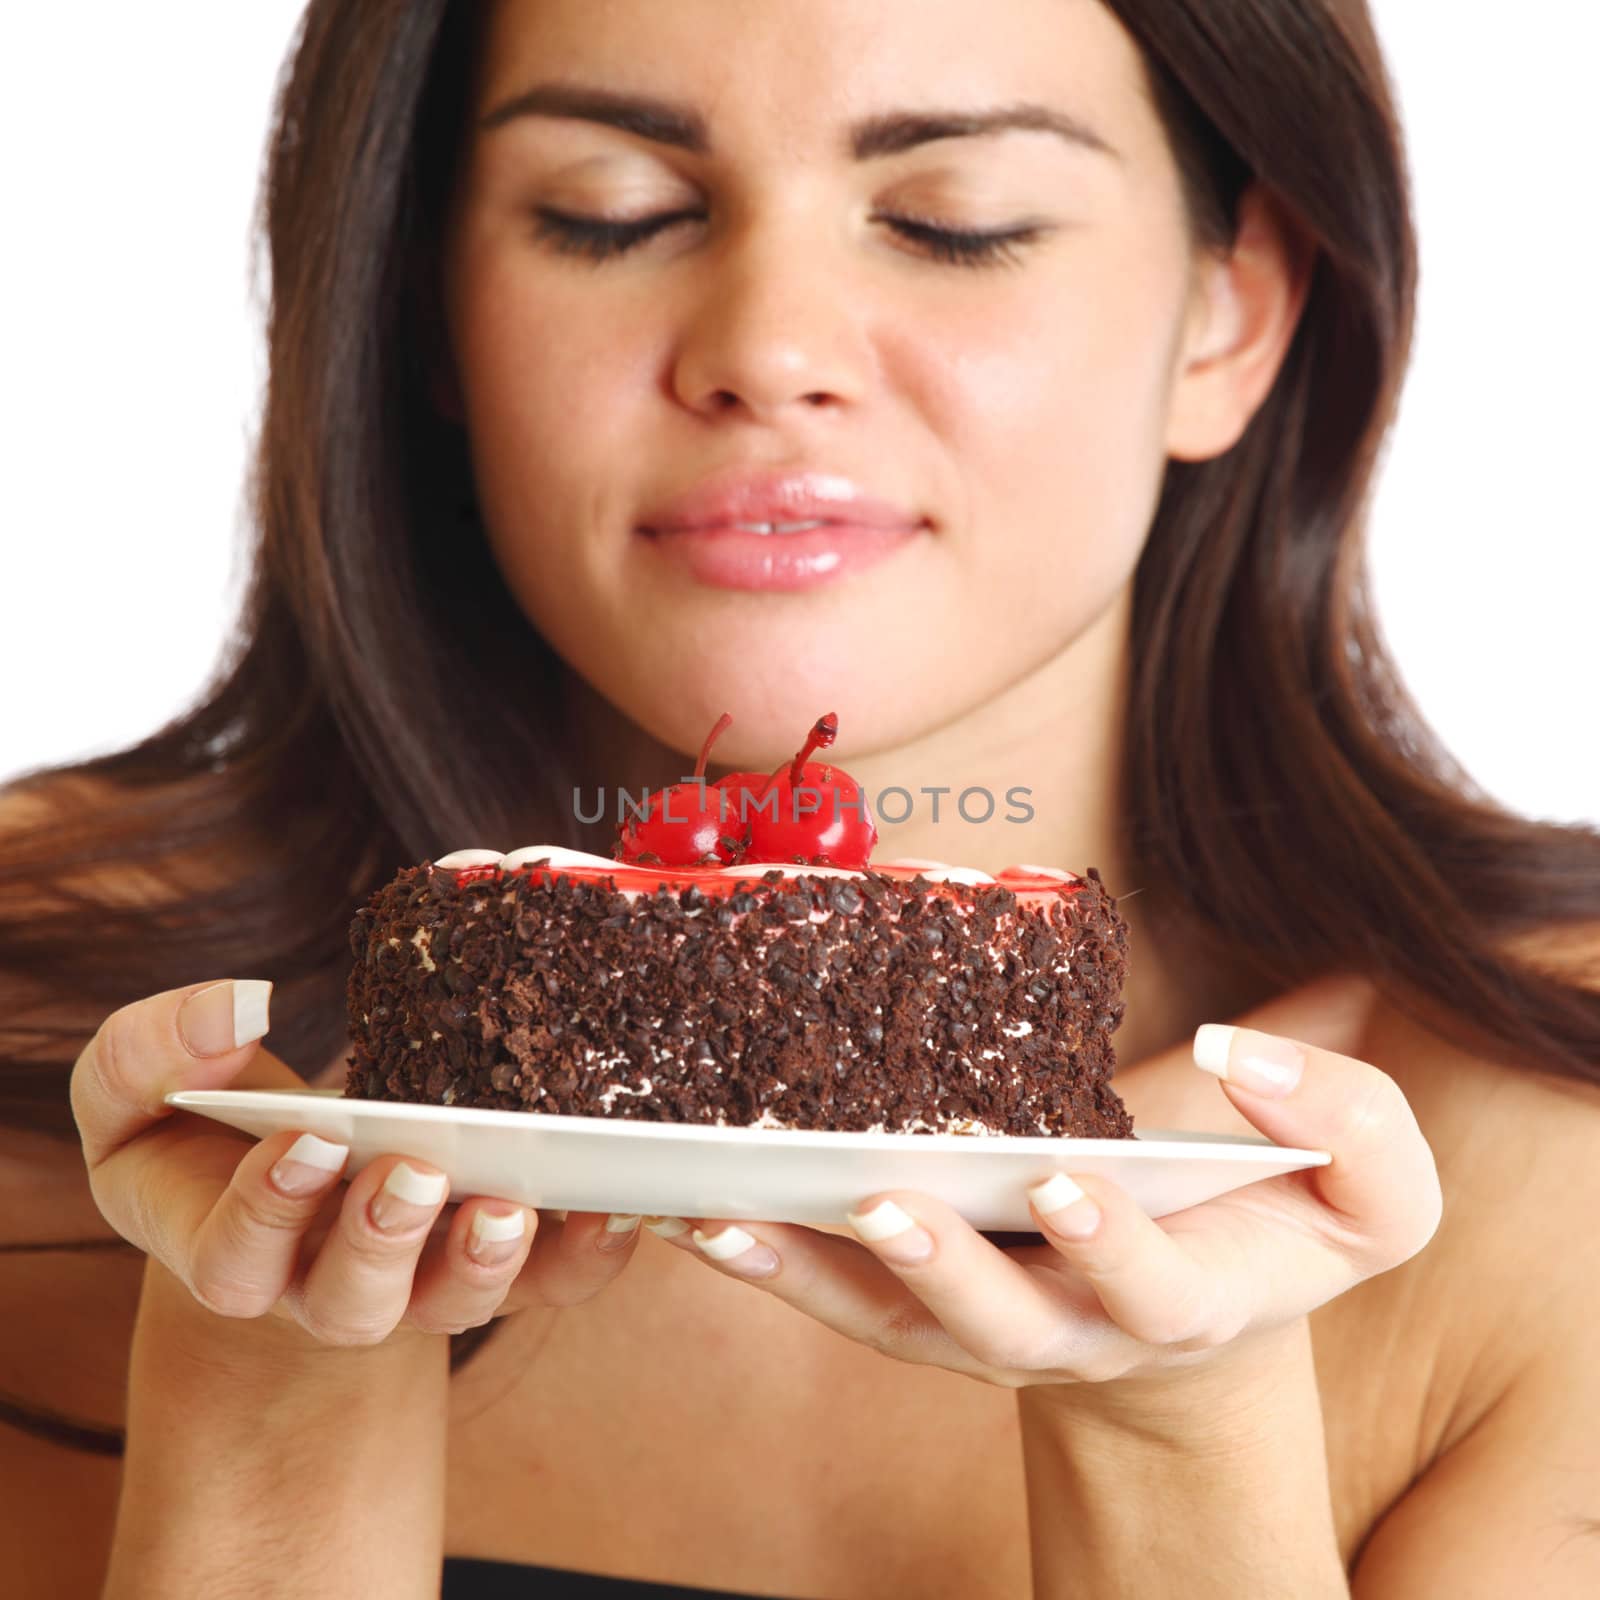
x,y
887,133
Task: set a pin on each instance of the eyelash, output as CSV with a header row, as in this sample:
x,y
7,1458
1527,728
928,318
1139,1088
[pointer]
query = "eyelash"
x,y
598,241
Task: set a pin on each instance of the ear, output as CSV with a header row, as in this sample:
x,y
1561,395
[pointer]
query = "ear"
x,y
1244,308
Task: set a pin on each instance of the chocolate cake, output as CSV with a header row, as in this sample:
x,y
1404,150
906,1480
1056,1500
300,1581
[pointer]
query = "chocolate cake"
x,y
905,997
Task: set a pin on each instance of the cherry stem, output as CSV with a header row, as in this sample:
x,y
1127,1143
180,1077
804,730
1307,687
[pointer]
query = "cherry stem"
x,y
823,732
724,722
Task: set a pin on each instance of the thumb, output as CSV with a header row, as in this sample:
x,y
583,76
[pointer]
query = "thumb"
x,y
200,1037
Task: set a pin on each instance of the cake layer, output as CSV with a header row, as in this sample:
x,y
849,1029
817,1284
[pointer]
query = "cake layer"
x,y
888,999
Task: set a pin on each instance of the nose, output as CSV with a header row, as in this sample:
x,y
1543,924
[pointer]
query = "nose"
x,y
774,329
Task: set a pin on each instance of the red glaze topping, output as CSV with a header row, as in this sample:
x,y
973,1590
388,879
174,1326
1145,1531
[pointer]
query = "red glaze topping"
x,y
713,882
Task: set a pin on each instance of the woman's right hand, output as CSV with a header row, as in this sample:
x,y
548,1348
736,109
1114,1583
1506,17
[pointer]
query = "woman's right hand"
x,y
251,1238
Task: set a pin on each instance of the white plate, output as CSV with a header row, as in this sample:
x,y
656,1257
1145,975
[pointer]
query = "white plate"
x,y
755,1174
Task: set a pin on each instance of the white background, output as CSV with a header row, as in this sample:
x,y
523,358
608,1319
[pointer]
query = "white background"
x,y
130,141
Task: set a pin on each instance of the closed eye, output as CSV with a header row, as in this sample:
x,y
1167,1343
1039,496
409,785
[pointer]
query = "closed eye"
x,y
598,240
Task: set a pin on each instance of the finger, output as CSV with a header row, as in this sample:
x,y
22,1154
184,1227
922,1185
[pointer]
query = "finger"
x,y
356,1289
573,1259
465,1273
245,1246
1008,1312
834,1280
1015,1315
1184,1290
199,1037
1381,1190
155,1173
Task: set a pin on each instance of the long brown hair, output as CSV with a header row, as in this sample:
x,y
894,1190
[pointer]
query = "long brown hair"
x,y
1281,790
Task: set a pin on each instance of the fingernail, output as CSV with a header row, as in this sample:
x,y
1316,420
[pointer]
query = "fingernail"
x,y
666,1227
616,1233
1258,1061
221,1018
895,1230
739,1252
1062,1204
407,1198
310,1164
495,1236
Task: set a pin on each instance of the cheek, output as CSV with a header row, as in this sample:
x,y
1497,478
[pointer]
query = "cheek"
x,y
1051,397
552,395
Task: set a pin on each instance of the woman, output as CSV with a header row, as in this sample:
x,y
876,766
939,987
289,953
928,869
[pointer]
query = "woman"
x,y
1118,366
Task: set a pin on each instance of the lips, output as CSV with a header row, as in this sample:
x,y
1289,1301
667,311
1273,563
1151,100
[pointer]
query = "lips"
x,y
776,505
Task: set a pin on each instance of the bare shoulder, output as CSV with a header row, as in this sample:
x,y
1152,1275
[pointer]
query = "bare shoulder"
x,y
57,1516
65,1322
1502,1109
1503,1303
1516,1145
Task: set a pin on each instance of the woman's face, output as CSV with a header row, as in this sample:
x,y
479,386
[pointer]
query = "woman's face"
x,y
797,317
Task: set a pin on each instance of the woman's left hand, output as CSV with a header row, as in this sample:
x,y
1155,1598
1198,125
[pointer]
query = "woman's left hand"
x,y
1111,1293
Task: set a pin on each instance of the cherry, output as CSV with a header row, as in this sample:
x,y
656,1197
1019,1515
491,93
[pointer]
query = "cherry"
x,y
828,826
744,789
685,826
739,791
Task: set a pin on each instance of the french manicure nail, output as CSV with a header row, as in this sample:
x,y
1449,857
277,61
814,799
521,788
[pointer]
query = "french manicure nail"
x,y
891,1225
1253,1060
666,1227
617,1231
308,1166
738,1251
494,1237
724,1245
1065,1206
224,1016
883,1221
407,1197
